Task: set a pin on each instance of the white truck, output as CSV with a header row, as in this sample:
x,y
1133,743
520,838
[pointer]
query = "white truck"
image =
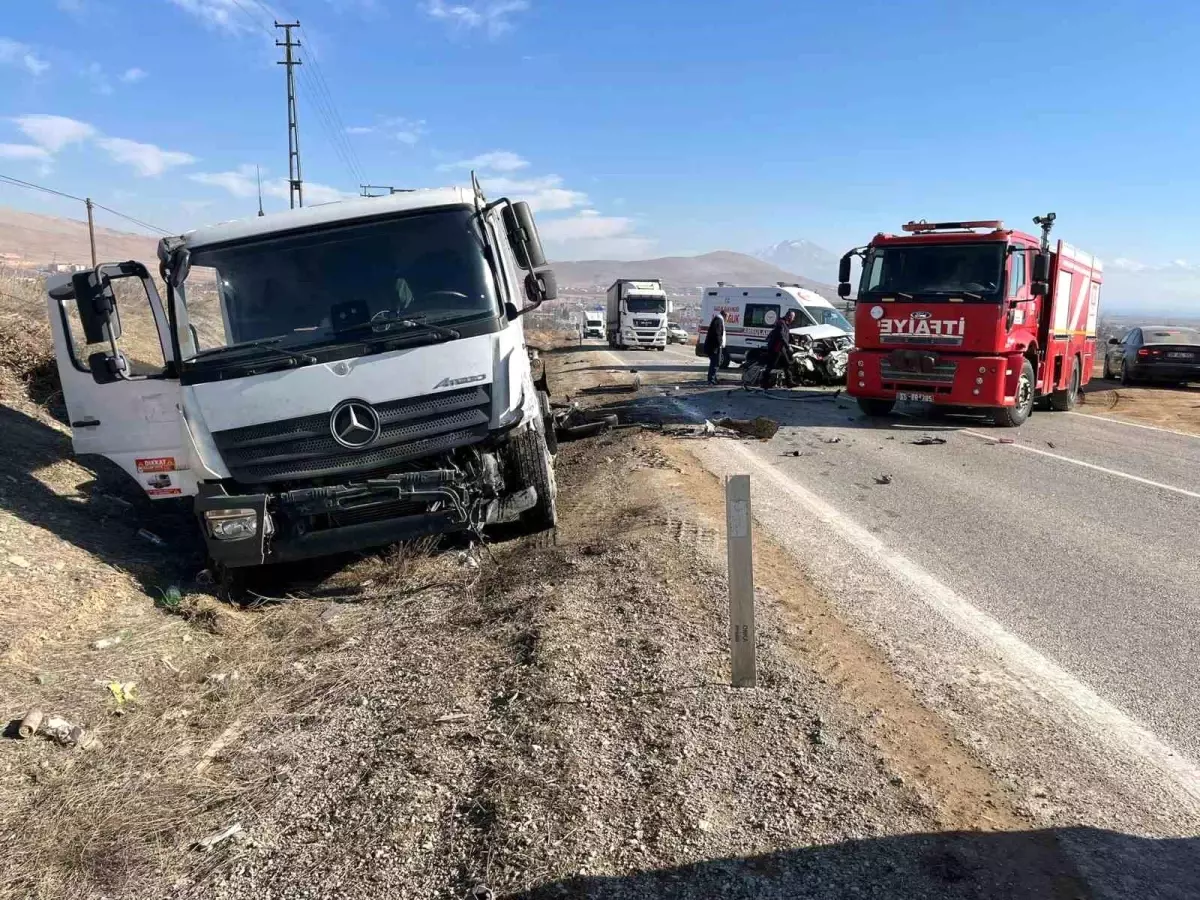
x,y
593,323
637,314
336,377
751,312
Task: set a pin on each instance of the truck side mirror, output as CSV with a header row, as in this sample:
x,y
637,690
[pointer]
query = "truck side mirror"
x,y
540,287
97,306
1037,288
843,289
523,236
1041,267
844,270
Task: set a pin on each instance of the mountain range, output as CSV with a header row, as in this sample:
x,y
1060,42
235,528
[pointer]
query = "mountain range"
x,y
803,257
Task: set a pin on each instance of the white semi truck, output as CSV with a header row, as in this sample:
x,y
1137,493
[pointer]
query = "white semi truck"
x,y
637,314
336,377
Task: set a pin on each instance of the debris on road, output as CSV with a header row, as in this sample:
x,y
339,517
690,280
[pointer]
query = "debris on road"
x,y
927,440
206,844
30,724
123,691
572,422
833,440
1050,444
883,479
106,643
67,733
1005,441
759,427
151,537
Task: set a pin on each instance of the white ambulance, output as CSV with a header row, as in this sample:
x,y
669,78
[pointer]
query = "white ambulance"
x,y
751,312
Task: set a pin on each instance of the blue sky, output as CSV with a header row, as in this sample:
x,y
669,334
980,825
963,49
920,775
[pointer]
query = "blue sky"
x,y
637,128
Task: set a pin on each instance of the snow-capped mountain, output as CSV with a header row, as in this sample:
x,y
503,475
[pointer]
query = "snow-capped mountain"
x,y
804,258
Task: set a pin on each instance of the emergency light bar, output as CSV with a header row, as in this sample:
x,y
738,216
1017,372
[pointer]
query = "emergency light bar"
x,y
994,224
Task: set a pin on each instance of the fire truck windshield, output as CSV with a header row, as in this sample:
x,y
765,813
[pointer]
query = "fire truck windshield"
x,y
971,271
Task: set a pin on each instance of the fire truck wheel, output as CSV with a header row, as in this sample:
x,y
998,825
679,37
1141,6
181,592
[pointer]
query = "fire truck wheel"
x,y
1064,401
1012,416
873,406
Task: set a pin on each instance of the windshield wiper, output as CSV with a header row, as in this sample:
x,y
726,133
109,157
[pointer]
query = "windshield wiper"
x,y
267,344
383,324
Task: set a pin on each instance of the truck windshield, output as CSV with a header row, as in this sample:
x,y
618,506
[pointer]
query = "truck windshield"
x,y
824,315
301,289
646,304
971,271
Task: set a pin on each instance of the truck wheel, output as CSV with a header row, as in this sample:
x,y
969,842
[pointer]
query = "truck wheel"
x,y
1064,401
874,407
725,360
1012,416
531,464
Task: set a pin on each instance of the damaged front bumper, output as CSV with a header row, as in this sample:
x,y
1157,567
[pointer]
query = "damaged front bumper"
x,y
253,529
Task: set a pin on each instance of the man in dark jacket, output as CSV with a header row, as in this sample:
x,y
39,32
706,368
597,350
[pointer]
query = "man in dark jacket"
x,y
779,348
714,344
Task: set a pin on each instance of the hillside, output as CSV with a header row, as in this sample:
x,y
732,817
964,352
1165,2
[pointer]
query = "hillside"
x,y
802,256
42,239
683,272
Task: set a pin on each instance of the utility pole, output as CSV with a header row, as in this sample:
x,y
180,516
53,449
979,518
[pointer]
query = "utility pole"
x,y
295,183
258,175
91,229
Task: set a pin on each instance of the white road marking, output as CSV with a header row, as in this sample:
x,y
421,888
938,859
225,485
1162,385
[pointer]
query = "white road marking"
x,y
1136,425
1087,465
1033,670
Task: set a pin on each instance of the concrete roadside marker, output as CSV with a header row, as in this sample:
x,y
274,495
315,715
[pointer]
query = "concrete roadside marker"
x,y
742,642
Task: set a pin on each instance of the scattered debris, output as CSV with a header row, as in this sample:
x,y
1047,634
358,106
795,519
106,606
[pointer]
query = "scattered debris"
x,y
205,577
883,479
106,643
223,679
30,724
451,717
833,440
1005,440
759,427
151,537
709,427
1050,444
123,691
68,734
19,561
206,844
171,599
790,453
482,892
927,440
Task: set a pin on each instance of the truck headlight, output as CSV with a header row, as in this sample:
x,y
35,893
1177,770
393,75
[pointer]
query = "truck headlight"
x,y
234,524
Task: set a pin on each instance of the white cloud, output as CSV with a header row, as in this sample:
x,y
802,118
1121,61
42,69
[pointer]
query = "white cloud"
x,y
133,75
242,182
1127,265
230,16
100,84
406,131
544,194
495,161
493,17
588,234
14,53
25,152
53,132
146,159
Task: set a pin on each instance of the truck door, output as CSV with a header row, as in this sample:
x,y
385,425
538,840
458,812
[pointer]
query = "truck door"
x,y
119,378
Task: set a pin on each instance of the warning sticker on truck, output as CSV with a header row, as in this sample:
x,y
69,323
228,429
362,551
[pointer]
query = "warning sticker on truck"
x,y
156,464
162,485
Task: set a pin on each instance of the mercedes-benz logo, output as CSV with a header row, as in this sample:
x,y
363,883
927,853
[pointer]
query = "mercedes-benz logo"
x,y
354,424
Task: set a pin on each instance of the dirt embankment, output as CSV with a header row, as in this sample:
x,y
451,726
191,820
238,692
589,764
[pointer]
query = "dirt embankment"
x,y
534,719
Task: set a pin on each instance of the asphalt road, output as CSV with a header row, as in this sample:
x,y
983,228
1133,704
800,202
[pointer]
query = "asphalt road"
x,y
1067,560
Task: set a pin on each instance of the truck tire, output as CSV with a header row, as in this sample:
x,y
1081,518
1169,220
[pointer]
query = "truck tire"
x,y
725,360
874,407
1014,416
531,465
1066,400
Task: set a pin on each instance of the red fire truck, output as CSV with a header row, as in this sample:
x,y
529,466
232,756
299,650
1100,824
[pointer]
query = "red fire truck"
x,y
972,315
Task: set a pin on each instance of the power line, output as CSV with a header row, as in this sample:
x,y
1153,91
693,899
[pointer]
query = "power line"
x,y
37,187
17,182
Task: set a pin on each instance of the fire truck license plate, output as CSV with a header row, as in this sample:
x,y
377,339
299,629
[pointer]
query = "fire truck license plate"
x,y
914,397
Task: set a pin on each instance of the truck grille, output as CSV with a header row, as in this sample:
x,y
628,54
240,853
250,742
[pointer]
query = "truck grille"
x,y
645,323
940,373
305,448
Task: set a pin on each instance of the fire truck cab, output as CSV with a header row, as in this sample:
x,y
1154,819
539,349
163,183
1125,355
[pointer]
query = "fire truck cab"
x,y
972,315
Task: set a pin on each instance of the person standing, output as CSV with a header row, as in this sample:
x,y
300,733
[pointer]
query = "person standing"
x,y
714,344
779,348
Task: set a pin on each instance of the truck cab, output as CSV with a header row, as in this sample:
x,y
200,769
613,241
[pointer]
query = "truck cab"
x,y
593,323
333,378
637,314
972,315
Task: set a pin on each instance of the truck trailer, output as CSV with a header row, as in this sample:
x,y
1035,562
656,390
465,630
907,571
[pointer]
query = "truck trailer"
x,y
972,315
637,314
332,378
